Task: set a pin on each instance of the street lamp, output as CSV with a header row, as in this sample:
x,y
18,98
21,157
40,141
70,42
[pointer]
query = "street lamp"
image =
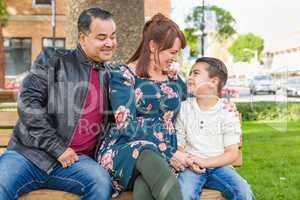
x,y
53,21
202,28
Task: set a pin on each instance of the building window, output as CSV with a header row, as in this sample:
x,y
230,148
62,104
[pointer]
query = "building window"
x,y
41,3
59,43
17,55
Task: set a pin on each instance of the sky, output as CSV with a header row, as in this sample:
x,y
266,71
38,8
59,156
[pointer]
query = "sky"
x,y
277,21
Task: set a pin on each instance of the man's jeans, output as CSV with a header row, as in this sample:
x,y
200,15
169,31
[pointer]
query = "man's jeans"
x,y
224,179
85,178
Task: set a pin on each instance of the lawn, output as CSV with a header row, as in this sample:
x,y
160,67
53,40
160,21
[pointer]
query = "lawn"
x,y
271,160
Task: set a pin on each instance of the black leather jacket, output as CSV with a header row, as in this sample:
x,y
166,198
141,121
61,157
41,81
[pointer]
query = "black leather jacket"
x,y
49,104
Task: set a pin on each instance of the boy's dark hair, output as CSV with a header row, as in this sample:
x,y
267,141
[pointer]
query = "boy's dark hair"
x,y
86,17
216,68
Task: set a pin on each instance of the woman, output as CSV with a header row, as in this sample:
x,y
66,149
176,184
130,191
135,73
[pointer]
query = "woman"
x,y
146,98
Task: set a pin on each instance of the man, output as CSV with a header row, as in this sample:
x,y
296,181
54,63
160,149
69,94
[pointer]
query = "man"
x,y
63,114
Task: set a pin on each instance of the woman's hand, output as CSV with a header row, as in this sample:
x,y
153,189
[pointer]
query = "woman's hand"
x,y
179,161
231,107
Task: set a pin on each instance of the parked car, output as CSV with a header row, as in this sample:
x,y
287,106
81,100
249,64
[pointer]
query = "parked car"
x,y
262,83
293,86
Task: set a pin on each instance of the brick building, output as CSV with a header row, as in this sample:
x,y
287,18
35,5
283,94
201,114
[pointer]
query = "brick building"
x,y
29,29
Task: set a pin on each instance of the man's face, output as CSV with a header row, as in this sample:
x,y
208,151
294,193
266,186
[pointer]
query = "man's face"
x,y
100,43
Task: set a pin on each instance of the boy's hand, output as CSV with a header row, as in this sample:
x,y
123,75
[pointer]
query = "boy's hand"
x,y
196,164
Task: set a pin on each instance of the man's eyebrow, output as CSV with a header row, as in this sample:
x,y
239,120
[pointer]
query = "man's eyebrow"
x,y
104,34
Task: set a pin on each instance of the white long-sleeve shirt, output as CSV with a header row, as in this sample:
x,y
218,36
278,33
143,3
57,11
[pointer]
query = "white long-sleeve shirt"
x,y
206,133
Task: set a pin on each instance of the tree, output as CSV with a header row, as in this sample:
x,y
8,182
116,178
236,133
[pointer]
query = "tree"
x,y
3,20
224,24
246,47
192,41
128,15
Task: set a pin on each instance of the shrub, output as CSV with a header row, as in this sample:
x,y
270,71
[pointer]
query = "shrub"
x,y
269,111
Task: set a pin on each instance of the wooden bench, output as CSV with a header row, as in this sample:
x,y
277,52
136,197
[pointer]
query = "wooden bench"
x,y
8,121
8,95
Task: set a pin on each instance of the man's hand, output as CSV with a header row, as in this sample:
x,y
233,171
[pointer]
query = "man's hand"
x,y
68,158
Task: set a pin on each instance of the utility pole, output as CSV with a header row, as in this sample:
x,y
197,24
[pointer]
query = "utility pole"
x,y
53,21
202,28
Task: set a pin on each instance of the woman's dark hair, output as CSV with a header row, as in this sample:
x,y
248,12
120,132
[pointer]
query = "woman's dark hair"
x,y
163,32
86,17
216,68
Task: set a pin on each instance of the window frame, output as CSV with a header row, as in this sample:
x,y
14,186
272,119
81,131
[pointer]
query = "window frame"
x,y
20,38
37,5
57,38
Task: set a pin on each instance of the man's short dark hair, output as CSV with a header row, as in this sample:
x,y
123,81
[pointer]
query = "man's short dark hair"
x,y
216,68
86,17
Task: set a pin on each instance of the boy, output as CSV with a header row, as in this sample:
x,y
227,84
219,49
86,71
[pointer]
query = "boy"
x,y
210,135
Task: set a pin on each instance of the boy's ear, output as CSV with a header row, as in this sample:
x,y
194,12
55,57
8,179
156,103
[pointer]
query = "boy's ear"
x,y
215,80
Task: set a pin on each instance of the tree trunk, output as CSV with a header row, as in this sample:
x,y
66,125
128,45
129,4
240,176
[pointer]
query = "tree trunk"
x,y
2,59
128,15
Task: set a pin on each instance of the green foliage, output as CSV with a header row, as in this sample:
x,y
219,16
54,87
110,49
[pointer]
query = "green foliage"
x,y
192,41
3,13
246,47
224,27
225,22
269,111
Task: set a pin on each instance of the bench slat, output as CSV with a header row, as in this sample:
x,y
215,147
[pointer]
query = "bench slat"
x,y
4,138
8,95
60,195
8,119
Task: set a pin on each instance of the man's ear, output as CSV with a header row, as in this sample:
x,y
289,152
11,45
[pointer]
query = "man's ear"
x,y
82,38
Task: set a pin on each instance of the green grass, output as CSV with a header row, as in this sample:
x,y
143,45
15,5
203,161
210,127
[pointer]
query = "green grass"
x,y
272,160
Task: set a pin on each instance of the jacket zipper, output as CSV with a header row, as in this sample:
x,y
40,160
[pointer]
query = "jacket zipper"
x,y
77,117
103,85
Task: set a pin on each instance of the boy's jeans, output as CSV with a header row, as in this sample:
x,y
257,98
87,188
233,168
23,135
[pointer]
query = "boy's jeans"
x,y
224,179
85,178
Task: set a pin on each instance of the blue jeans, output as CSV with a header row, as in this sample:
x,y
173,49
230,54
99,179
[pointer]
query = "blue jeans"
x,y
224,179
85,178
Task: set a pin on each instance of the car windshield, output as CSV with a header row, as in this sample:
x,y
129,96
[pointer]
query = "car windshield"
x,y
262,78
293,81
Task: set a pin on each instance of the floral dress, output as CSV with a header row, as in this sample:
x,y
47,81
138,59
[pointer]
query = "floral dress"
x,y
145,112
